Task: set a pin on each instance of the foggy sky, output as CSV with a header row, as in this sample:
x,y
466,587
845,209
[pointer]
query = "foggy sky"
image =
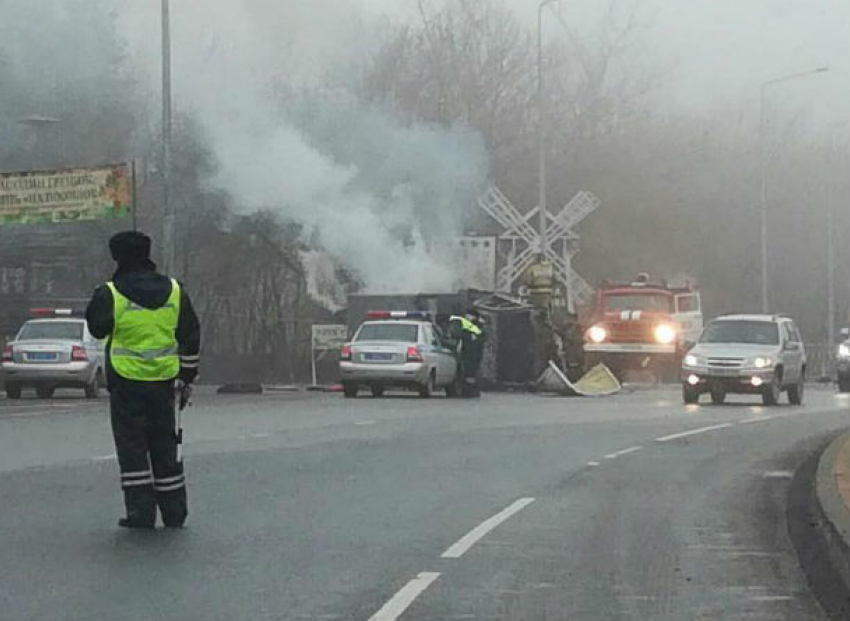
x,y
717,52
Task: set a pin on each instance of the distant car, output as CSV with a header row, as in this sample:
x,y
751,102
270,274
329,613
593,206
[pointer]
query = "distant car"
x,y
398,350
748,354
53,350
842,363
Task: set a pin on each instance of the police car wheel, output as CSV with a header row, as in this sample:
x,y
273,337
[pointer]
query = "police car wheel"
x,y
349,389
93,389
844,382
13,391
426,390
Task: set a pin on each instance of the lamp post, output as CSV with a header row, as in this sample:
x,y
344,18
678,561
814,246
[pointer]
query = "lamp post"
x,y
541,126
168,234
763,199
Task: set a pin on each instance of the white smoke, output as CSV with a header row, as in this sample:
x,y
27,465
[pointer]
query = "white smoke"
x,y
369,190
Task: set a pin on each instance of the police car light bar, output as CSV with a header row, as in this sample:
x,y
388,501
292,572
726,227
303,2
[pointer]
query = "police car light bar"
x,y
397,315
55,312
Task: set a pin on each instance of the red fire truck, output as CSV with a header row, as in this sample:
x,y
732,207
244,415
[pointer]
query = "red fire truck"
x,y
642,325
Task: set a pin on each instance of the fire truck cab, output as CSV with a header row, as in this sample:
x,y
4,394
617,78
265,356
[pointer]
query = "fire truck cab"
x,y
642,325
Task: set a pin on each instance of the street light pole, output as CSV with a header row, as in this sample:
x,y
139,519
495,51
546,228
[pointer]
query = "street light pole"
x,y
541,127
168,233
763,165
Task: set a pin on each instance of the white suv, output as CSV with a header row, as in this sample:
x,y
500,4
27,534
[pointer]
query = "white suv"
x,y
748,354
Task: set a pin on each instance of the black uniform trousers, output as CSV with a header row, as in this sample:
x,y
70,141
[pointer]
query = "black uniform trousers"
x,y
143,425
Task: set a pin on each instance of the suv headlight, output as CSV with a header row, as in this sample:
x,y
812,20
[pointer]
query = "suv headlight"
x,y
692,360
844,351
762,362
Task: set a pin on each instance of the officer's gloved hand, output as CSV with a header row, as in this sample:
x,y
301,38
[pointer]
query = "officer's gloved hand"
x,y
184,392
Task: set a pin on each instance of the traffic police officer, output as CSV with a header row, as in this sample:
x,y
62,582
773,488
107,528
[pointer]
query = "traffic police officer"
x,y
154,341
468,336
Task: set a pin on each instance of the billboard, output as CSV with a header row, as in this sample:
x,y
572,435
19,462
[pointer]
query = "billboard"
x,y
62,196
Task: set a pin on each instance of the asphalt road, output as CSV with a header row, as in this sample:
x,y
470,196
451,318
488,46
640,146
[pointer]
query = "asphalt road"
x,y
308,506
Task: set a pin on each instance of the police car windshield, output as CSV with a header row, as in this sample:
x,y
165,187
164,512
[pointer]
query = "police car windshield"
x,y
750,332
638,302
400,332
52,330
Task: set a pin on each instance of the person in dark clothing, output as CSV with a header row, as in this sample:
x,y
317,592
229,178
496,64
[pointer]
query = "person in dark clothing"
x,y
467,335
153,350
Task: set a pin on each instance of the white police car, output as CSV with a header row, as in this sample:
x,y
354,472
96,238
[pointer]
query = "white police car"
x,y
53,350
398,349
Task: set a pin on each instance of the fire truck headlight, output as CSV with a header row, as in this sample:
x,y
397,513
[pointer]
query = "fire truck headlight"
x,y
665,333
597,334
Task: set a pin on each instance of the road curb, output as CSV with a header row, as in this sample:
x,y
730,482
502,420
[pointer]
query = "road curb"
x,y
824,547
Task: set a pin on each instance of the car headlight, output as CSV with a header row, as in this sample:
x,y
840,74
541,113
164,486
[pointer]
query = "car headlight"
x,y
692,360
597,334
761,363
844,351
665,333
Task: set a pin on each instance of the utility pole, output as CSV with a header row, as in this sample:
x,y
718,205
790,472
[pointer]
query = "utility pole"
x,y
168,234
764,160
541,140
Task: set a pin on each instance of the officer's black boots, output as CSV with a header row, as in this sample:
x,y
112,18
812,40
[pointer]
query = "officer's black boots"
x,y
128,523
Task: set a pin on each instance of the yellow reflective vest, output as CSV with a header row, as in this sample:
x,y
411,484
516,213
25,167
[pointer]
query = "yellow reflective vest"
x,y
144,342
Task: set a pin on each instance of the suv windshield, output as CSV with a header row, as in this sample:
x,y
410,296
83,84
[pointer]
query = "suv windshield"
x,y
743,331
405,333
52,330
638,302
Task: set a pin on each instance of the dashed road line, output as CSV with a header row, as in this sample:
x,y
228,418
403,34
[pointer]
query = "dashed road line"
x,y
593,464
760,419
616,454
692,432
402,600
109,457
778,474
463,544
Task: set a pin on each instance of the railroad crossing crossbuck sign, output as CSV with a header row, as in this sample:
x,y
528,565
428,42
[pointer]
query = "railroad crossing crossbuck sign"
x,y
526,243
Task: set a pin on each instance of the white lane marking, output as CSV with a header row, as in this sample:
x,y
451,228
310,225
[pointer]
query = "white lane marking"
x,y
259,435
402,600
692,432
760,419
778,474
472,537
617,454
771,598
365,423
593,464
109,457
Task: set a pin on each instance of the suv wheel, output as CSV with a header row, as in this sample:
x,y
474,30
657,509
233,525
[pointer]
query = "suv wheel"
x,y
772,391
718,394
13,391
689,395
844,382
795,392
